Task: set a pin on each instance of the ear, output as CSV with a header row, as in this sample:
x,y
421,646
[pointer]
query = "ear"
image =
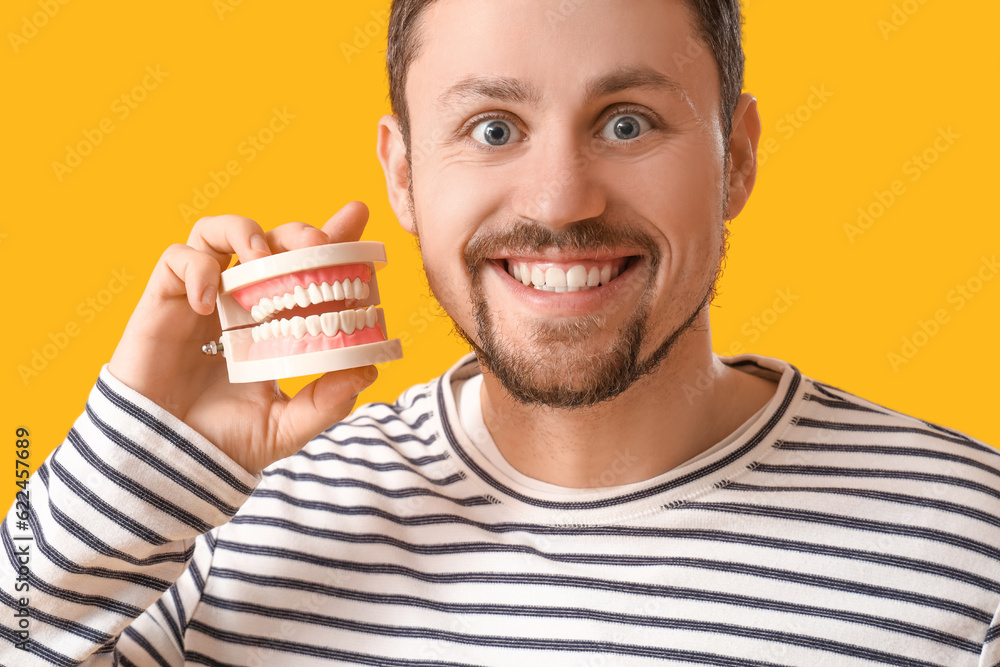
x,y
743,154
392,154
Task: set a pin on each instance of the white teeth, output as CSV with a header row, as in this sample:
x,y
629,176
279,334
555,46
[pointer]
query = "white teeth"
x,y
338,290
348,289
315,296
576,277
555,277
347,321
289,300
301,297
327,292
330,323
357,288
256,314
277,303
594,277
537,277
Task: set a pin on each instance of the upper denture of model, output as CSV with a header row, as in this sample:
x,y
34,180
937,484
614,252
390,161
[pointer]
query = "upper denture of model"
x,y
311,311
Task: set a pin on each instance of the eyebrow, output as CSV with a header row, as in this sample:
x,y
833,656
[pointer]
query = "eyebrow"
x,y
511,90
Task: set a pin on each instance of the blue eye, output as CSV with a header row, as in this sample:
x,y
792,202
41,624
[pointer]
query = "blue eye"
x,y
495,132
625,127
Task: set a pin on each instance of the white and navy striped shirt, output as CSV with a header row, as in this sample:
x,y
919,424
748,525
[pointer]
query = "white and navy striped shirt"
x,y
832,531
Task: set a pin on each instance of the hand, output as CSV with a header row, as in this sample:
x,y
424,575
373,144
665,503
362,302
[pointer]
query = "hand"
x,y
160,355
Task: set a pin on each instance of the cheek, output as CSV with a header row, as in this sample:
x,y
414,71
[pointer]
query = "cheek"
x,y
679,191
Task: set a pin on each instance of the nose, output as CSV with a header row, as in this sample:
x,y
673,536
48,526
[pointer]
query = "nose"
x,y
557,184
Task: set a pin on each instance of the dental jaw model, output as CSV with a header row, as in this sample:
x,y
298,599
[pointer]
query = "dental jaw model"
x,y
304,311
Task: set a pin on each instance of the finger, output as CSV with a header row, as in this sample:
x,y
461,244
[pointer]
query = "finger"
x,y
184,271
319,405
294,235
223,235
348,223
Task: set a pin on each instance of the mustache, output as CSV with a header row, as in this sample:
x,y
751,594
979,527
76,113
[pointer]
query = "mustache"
x,y
589,235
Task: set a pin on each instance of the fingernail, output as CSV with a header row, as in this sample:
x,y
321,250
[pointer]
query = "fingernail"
x,y
208,296
258,243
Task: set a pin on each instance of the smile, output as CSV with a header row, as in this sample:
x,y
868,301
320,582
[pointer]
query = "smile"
x,y
561,277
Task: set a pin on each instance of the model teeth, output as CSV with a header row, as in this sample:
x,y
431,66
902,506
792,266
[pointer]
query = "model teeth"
x,y
328,324
554,279
302,297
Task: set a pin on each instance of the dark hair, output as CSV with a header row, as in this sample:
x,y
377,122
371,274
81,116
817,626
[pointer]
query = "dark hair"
x,y
719,27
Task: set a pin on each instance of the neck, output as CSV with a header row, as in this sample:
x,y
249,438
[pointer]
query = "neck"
x,y
690,403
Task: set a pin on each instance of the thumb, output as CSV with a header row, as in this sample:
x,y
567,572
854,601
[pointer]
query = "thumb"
x,y
318,406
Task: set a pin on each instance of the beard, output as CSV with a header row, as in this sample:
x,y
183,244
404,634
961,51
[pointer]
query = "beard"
x,y
547,365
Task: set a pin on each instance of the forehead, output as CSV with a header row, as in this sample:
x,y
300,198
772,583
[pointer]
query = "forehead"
x,y
559,47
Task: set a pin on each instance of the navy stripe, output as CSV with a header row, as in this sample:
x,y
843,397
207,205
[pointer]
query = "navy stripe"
x,y
194,488
579,613
564,645
587,583
145,644
384,442
204,460
392,418
682,480
850,522
137,490
85,495
886,450
53,555
839,404
886,496
347,482
170,619
808,422
34,648
99,601
312,650
72,627
391,465
64,521
876,473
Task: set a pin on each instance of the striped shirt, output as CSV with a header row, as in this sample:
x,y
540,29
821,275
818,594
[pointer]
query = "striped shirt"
x,y
831,531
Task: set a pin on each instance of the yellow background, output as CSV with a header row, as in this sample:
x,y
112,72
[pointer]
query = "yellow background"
x,y
884,95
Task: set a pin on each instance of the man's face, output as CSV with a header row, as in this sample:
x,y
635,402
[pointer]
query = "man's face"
x,y
579,145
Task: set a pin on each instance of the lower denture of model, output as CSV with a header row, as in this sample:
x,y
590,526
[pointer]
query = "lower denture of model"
x,y
311,311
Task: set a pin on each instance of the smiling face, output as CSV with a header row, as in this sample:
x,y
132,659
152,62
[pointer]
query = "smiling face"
x,y
569,186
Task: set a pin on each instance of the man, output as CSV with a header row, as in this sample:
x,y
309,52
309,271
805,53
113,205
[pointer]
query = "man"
x,y
559,498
